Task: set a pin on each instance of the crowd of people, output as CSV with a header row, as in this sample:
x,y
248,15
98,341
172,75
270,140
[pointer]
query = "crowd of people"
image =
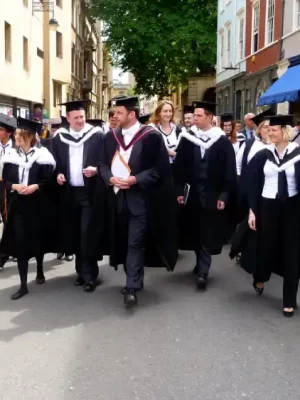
x,y
140,188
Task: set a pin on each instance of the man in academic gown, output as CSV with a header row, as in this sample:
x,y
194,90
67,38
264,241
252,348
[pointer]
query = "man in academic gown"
x,y
142,215
188,117
205,163
7,127
77,154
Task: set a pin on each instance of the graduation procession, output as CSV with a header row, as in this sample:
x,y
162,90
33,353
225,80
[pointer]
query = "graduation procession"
x,y
148,189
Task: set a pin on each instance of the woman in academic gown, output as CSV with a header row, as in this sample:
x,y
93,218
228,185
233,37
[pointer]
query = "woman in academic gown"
x,y
26,174
228,126
274,215
247,151
163,120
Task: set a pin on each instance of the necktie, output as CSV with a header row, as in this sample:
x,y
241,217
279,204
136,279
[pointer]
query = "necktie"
x,y
283,193
282,189
251,134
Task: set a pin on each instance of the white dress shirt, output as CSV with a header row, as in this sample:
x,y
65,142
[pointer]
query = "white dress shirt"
x,y
24,173
5,147
128,134
255,148
76,160
271,172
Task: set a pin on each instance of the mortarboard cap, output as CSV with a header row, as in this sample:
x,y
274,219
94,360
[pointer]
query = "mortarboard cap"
x,y
144,118
27,124
128,102
188,110
226,117
210,107
75,105
283,119
7,122
259,118
95,122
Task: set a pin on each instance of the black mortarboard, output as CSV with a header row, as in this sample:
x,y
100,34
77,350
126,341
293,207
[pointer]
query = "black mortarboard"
x,y
27,124
283,119
226,117
259,118
210,107
188,110
75,105
7,122
95,122
144,118
128,102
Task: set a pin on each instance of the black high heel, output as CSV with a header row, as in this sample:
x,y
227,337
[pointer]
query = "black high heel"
x,y
288,314
258,290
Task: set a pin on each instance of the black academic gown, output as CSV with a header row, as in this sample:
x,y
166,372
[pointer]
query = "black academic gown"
x,y
30,227
148,162
246,241
68,230
221,184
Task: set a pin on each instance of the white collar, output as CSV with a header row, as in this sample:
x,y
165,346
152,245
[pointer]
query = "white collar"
x,y
209,134
40,155
132,130
8,144
89,129
205,140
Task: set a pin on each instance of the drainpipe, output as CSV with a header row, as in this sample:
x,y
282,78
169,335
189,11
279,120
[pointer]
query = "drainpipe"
x,y
281,55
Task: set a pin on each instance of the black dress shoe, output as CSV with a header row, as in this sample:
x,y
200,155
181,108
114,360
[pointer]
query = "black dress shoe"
x,y
59,256
40,279
125,289
69,258
202,281
288,314
79,282
89,287
20,293
258,290
130,298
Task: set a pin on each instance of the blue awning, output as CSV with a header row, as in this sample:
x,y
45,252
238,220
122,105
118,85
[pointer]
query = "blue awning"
x,y
286,88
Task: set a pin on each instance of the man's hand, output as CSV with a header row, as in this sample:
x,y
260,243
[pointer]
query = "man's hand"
x,y
61,179
90,171
220,205
252,220
130,181
30,189
172,153
180,200
18,187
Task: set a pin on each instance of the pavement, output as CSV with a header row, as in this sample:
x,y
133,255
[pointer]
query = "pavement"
x,y
59,343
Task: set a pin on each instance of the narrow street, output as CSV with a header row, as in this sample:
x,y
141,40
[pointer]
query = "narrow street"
x,y
59,343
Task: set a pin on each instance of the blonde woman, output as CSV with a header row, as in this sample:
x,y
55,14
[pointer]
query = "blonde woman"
x,y
163,120
274,216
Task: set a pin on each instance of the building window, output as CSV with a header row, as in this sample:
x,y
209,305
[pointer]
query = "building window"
x,y
73,56
7,33
25,54
255,28
241,39
228,45
57,94
85,70
59,45
248,101
270,21
221,50
59,3
73,13
297,14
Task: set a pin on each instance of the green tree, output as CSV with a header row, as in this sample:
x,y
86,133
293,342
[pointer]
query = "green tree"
x,y
161,42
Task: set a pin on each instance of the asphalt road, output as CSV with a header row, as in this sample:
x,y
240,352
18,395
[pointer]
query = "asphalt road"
x,y
59,343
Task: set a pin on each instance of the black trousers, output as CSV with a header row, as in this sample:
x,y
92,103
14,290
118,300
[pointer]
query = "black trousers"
x,y
135,258
86,268
279,244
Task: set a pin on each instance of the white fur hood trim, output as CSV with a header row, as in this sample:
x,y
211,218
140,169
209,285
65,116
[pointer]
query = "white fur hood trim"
x,y
213,135
41,156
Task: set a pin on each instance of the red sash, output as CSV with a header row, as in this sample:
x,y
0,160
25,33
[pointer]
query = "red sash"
x,y
134,140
